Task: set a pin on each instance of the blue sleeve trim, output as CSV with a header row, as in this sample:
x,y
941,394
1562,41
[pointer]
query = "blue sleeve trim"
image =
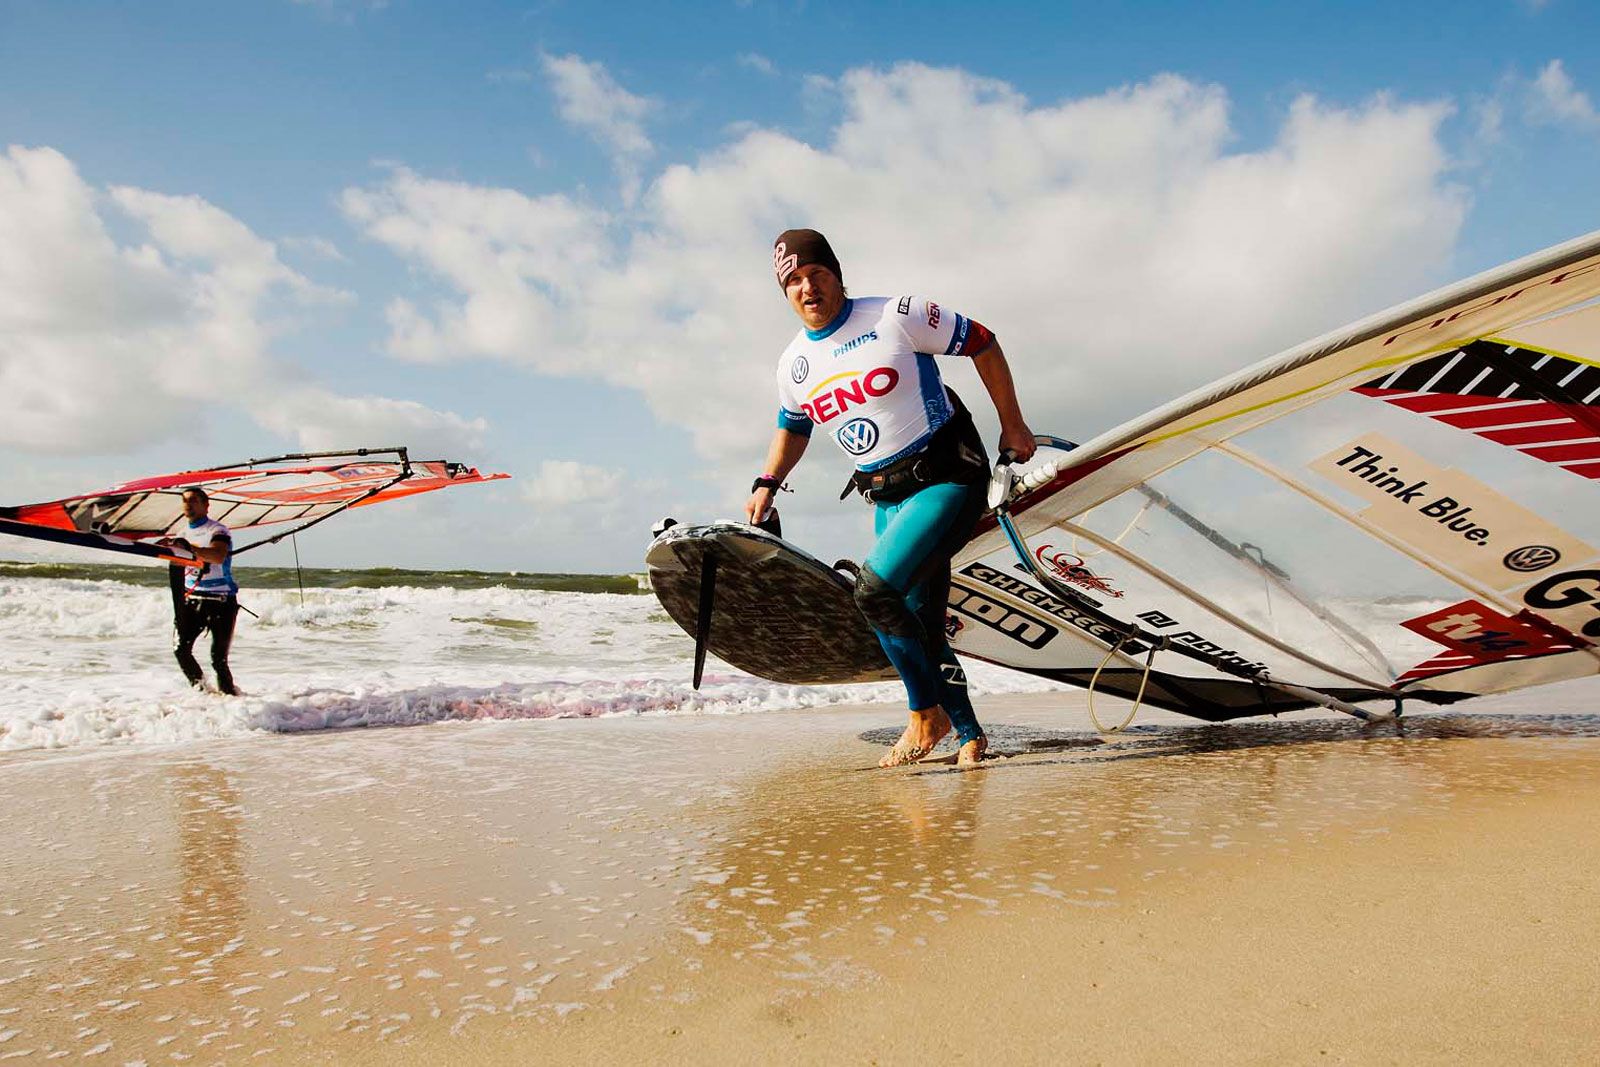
x,y
958,336
794,422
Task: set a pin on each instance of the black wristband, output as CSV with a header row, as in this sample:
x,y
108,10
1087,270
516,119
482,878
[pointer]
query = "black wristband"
x,y
765,482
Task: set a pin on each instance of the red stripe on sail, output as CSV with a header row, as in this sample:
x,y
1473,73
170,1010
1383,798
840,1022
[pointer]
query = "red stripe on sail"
x,y
1566,453
1500,415
1518,436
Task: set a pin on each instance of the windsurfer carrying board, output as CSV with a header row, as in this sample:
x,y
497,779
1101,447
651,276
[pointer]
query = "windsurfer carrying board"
x,y
204,597
862,368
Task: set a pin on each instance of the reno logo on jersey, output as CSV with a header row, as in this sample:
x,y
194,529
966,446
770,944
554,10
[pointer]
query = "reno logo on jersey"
x,y
838,394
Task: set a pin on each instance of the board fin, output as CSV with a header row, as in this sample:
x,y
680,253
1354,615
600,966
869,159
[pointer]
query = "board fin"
x,y
702,623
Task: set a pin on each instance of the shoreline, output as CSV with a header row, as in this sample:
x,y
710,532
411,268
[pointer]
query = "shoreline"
x,y
286,577
723,889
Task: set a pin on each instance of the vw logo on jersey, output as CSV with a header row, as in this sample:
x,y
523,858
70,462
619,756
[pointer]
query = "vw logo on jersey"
x,y
858,436
799,369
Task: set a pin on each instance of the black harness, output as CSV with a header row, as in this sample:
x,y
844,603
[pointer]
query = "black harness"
x,y
954,453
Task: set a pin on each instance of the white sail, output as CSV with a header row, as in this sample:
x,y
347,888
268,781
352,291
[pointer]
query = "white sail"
x,y
1402,508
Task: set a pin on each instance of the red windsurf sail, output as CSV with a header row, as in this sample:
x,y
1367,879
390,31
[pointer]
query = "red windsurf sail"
x,y
295,490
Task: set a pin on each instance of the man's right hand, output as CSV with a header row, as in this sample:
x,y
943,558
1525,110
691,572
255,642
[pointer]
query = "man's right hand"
x,y
756,508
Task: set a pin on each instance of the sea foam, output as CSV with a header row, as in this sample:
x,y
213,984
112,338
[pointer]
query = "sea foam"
x,y
90,662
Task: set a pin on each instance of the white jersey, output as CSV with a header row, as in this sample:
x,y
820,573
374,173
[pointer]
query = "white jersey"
x,y
869,379
211,579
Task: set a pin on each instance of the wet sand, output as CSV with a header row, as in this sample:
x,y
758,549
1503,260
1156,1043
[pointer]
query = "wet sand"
x,y
744,889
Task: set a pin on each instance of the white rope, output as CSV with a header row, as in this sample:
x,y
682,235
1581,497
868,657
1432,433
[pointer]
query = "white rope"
x,y
1138,700
1117,540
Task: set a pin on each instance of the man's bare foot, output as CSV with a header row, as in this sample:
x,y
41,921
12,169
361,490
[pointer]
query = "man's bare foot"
x,y
925,730
972,752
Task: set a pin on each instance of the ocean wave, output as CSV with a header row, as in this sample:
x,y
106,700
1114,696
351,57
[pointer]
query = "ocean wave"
x,y
89,663
85,717
155,575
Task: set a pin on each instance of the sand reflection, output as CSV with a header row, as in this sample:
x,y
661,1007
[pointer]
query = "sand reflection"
x,y
144,925
828,869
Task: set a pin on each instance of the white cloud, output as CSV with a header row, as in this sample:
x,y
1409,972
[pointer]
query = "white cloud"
x,y
320,420
584,511
1097,236
234,270
518,261
105,346
1489,118
590,99
757,62
565,483
108,347
1517,104
1555,100
320,247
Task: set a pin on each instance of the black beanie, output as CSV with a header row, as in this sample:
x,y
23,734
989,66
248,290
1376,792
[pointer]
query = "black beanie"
x,y
800,248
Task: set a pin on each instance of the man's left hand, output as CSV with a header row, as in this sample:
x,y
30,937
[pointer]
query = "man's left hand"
x,y
1019,439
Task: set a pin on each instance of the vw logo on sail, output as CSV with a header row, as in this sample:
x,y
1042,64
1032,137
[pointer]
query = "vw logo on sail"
x,y
1531,558
858,436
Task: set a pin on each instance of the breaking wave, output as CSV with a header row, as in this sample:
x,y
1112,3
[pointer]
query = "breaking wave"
x,y
88,662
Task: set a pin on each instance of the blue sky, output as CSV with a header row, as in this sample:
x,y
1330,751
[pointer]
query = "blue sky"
x,y
542,228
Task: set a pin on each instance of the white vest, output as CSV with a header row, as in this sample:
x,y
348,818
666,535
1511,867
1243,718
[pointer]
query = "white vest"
x,y
868,378
212,579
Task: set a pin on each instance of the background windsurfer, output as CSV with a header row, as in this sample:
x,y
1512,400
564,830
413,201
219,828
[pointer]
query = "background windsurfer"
x,y
863,368
204,597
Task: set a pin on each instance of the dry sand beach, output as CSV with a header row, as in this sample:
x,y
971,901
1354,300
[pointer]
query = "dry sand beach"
x,y
749,889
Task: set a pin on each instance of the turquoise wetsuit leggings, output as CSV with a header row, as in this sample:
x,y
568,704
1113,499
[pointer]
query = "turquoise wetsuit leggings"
x,y
916,539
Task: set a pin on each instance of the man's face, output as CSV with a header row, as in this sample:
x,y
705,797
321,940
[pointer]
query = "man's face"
x,y
815,293
195,506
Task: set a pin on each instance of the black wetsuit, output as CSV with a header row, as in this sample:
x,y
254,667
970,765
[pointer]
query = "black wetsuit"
x,y
194,613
